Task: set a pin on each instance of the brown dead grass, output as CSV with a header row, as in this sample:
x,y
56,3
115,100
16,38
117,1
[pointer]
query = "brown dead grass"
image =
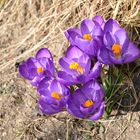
x,y
26,26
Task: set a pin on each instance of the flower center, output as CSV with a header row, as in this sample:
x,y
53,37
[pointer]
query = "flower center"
x,y
39,70
88,103
77,67
116,48
87,36
55,95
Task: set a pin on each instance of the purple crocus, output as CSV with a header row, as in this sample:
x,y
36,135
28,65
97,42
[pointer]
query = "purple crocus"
x,y
117,49
76,67
87,102
53,96
88,38
99,20
35,68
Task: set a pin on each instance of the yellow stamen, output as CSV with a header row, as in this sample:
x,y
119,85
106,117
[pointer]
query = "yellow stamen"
x,y
56,96
116,48
39,70
77,67
87,37
74,66
80,70
88,103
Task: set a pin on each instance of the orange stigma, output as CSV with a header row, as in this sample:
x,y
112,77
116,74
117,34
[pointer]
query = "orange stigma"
x,y
39,70
55,95
87,36
116,48
88,103
77,67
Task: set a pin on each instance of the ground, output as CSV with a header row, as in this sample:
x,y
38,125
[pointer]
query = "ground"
x,y
26,26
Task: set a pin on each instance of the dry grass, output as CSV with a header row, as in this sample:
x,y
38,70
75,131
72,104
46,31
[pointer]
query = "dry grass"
x,y
26,26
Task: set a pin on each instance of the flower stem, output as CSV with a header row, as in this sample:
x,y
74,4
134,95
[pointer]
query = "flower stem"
x,y
110,74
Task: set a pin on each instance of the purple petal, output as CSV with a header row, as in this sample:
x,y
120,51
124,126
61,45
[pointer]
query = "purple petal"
x,y
98,114
111,26
44,52
73,52
59,87
79,97
92,87
122,39
97,30
95,71
35,81
49,100
82,43
87,92
65,78
103,56
87,26
64,63
109,39
114,59
44,87
43,61
47,108
91,90
50,69
99,20
71,34
47,104
89,48
55,86
73,105
75,111
23,70
85,62
131,53
28,69
48,66
86,111
32,63
80,79
33,73
99,42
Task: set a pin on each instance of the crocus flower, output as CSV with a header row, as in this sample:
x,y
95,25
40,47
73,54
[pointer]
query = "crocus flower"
x,y
99,20
87,102
117,49
53,96
76,67
88,38
35,68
